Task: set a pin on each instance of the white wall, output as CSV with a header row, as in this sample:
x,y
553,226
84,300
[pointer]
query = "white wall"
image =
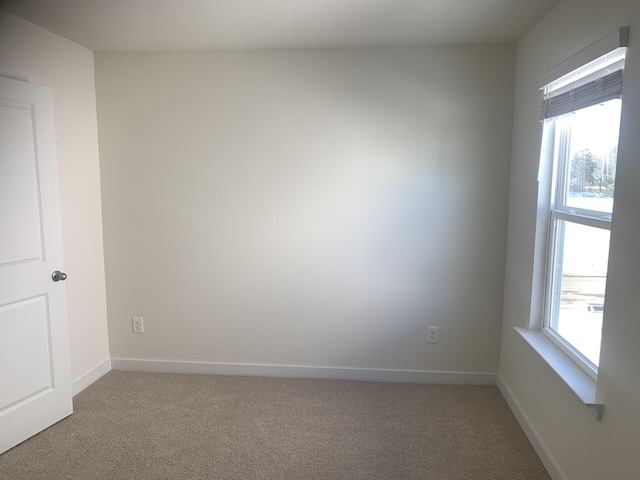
x,y
582,448
313,207
68,69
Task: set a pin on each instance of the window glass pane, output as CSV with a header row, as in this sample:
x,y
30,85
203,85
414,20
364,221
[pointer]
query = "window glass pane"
x,y
592,154
580,275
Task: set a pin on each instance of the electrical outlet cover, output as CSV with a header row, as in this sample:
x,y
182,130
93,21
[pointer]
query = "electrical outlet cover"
x,y
432,334
137,324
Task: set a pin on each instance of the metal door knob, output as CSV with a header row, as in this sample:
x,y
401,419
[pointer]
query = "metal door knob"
x,y
58,276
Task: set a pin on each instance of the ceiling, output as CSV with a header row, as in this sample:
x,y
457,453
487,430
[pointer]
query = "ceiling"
x,y
170,25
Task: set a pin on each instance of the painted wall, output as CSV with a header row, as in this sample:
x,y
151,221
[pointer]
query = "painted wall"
x,y
68,69
581,447
315,207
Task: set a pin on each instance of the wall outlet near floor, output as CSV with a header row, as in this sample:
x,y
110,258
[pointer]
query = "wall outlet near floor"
x,y
137,324
432,334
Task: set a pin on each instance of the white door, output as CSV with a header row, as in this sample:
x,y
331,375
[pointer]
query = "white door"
x,y
35,384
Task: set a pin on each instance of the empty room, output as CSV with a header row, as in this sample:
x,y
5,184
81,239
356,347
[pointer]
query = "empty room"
x,y
319,239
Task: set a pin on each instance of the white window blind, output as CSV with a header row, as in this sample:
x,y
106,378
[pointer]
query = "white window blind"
x,y
597,80
597,91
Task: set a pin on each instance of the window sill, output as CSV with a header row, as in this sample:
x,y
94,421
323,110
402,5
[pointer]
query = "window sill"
x,y
577,380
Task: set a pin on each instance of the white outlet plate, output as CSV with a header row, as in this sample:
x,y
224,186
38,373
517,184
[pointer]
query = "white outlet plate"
x,y
432,334
137,324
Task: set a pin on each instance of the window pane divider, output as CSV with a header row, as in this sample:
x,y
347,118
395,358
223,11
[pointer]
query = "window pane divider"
x,y
589,221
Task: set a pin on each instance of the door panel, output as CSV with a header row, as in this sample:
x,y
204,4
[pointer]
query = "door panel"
x,y
20,208
35,379
24,343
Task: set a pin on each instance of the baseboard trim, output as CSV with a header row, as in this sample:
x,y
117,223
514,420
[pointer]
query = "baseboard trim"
x,y
295,371
538,445
91,376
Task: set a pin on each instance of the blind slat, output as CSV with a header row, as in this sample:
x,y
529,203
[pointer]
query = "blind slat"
x,y
592,93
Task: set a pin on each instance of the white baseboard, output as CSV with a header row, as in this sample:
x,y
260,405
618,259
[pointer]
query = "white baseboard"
x,y
335,373
91,376
538,445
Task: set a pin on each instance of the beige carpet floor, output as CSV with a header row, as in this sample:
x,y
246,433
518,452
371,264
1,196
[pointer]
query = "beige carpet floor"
x,y
146,426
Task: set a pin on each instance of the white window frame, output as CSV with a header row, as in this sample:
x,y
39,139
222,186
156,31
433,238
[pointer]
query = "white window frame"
x,y
583,385
559,138
555,154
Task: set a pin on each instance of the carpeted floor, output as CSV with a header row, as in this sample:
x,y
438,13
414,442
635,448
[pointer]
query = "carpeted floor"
x,y
153,426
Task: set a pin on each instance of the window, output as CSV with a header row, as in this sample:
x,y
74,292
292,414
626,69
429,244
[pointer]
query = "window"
x,y
581,113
